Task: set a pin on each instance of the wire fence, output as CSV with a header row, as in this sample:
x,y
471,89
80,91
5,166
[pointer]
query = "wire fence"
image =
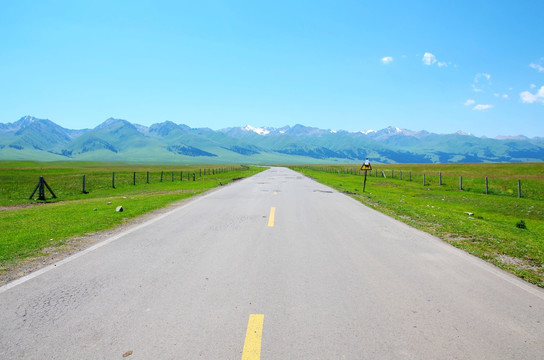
x,y
525,185
16,186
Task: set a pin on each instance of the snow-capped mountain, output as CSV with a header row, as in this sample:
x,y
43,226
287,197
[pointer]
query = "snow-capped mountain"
x,y
31,138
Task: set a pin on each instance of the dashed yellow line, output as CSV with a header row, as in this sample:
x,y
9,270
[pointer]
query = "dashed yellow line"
x,y
271,217
254,334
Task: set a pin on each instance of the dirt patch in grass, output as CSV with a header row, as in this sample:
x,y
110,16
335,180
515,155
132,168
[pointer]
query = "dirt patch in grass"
x,y
518,263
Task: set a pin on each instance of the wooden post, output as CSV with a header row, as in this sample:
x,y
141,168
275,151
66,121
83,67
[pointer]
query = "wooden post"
x,y
113,179
181,176
410,178
161,175
423,179
172,176
401,175
460,183
486,186
83,187
193,176
41,190
41,193
519,189
148,177
134,178
440,178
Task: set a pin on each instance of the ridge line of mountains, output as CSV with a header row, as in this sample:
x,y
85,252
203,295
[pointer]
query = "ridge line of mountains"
x,y
31,138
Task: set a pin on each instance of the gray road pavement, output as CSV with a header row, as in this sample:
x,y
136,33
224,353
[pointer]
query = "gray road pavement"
x,y
333,279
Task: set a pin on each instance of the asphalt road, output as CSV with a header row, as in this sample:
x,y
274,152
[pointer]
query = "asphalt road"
x,y
277,261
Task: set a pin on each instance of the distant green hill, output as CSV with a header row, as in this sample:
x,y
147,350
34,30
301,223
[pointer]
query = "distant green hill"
x,y
30,138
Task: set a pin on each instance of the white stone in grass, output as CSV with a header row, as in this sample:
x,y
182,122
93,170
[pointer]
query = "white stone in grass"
x,y
119,209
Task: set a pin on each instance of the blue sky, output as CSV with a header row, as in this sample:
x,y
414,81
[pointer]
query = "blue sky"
x,y
441,66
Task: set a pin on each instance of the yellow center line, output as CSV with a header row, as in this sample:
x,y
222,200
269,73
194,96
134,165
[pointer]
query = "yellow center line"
x,y
254,334
271,217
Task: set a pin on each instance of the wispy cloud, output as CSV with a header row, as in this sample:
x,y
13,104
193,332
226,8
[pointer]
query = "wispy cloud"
x,y
480,80
482,107
428,59
538,66
387,60
470,102
529,98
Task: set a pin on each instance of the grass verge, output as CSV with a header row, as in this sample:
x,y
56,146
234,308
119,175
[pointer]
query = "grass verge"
x,y
488,226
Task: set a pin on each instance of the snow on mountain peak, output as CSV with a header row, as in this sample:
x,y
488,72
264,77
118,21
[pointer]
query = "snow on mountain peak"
x,y
260,131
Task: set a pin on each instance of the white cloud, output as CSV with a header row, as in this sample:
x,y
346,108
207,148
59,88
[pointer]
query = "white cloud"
x,y
482,107
481,75
481,80
442,63
538,67
505,96
387,60
529,98
469,102
428,59
532,86
476,89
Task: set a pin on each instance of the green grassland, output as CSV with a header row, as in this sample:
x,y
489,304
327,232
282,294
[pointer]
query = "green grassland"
x,y
487,226
28,226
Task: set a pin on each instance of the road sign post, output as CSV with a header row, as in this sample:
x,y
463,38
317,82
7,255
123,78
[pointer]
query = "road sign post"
x,y
366,167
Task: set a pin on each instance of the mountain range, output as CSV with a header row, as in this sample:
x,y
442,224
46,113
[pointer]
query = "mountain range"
x,y
31,138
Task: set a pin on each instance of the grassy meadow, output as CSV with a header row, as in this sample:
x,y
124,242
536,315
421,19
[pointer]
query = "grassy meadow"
x,y
499,227
31,228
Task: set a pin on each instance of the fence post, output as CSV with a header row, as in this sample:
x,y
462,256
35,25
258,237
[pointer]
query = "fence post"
x,y
83,189
113,179
148,177
410,178
439,178
423,179
161,175
486,186
134,178
460,183
401,175
519,189
172,176
41,190
193,176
